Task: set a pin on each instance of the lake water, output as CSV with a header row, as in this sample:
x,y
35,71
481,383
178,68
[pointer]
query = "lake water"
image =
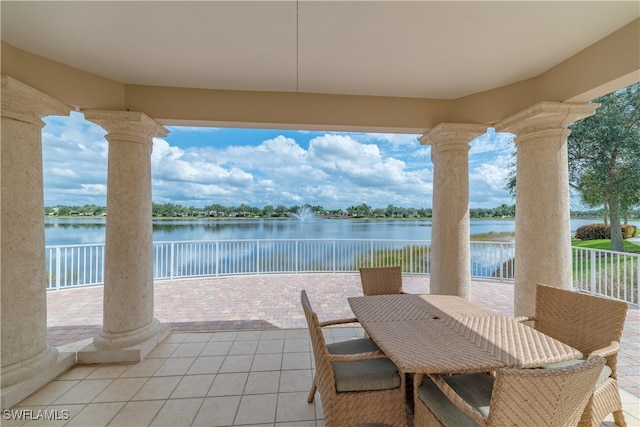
x,y
73,231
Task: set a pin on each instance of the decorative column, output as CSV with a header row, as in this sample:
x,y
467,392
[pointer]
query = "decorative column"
x,y
450,233
27,362
543,223
130,330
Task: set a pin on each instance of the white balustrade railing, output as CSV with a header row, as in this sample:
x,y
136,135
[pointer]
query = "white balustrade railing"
x,y
599,272
74,265
173,260
610,273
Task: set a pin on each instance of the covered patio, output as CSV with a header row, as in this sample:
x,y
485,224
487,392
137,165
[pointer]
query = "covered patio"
x,y
235,343
446,70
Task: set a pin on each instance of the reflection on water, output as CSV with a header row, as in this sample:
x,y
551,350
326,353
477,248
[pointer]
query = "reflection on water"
x,y
71,231
64,231
80,226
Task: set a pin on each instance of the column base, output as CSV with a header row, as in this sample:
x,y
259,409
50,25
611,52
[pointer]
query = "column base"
x,y
41,372
120,348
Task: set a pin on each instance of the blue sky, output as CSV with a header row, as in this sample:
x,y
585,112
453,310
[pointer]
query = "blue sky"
x,y
202,166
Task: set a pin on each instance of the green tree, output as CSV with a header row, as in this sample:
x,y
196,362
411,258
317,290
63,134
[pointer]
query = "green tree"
x,y
318,210
215,210
281,210
424,212
604,154
363,210
268,211
378,213
504,211
390,211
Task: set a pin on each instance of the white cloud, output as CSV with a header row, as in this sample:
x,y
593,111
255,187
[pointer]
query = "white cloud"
x,y
490,174
173,164
358,163
59,172
93,189
341,153
191,129
487,182
277,151
395,139
422,153
162,150
491,141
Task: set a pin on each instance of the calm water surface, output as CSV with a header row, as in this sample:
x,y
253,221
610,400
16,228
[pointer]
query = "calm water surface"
x,y
72,231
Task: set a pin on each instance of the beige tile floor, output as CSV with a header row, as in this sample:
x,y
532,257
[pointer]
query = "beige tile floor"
x,y
227,378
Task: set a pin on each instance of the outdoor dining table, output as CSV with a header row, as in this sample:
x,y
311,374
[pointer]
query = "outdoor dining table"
x,y
449,334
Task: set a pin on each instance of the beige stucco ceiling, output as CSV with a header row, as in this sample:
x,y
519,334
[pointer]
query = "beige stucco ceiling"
x,y
423,49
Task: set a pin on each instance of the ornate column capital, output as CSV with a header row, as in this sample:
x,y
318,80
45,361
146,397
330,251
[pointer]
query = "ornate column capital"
x,y
24,103
126,125
448,136
545,117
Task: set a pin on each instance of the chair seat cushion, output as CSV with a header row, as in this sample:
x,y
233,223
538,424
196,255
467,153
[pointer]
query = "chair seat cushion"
x,y
474,388
360,345
366,375
606,370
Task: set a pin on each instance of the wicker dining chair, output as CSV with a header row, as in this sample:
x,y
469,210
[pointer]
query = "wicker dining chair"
x,y
357,383
513,397
381,280
593,325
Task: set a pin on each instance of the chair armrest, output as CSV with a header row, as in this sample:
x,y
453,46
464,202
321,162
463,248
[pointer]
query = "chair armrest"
x,y
609,350
356,357
525,319
458,401
338,321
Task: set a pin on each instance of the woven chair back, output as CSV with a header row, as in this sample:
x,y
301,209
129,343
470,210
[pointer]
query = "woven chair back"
x,y
543,397
381,280
325,379
585,322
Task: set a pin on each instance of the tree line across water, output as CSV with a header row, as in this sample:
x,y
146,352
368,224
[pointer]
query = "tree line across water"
x,y
170,210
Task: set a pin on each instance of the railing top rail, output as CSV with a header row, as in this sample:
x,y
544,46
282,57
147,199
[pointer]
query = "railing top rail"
x,y
327,239
491,242
74,245
577,248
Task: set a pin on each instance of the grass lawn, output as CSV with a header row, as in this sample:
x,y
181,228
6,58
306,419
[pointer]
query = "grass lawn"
x,y
604,244
494,236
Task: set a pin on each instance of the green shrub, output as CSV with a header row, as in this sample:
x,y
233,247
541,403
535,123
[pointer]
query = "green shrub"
x,y
593,232
628,231
601,231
